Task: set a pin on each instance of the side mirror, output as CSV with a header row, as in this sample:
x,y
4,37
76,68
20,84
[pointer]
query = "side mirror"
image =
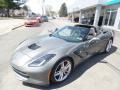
x,y
56,29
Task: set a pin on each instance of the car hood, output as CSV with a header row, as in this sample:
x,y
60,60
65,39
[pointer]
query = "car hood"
x,y
43,45
38,47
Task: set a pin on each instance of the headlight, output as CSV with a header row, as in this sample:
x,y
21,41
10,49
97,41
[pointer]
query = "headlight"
x,y
41,61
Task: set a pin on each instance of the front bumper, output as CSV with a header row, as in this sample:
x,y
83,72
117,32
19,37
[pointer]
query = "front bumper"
x,y
40,77
31,24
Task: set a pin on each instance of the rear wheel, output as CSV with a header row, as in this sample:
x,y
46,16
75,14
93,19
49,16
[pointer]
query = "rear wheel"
x,y
61,70
109,46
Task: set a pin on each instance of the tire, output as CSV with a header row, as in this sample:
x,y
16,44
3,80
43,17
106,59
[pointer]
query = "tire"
x,y
108,46
61,70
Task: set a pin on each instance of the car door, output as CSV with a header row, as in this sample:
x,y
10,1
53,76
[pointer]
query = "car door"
x,y
88,48
104,37
82,50
93,45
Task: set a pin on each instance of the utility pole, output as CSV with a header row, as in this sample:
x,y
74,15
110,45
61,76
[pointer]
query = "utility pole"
x,y
43,7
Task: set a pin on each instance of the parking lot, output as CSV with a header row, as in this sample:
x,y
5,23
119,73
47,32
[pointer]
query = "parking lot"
x,y
101,72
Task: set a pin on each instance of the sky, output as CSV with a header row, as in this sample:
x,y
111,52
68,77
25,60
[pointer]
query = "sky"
x,y
36,5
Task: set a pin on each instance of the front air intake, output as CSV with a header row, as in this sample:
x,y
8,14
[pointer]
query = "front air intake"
x,y
34,46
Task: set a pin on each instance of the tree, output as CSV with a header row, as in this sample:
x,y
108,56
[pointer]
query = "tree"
x,y
25,8
7,5
2,3
10,5
63,10
48,10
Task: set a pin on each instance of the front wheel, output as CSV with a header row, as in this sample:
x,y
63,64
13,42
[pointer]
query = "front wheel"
x,y
61,70
109,46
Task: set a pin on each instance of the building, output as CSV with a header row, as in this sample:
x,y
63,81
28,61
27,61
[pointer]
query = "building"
x,y
96,12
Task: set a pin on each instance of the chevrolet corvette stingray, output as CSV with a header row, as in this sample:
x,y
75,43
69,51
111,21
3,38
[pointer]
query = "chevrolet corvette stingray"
x,y
51,58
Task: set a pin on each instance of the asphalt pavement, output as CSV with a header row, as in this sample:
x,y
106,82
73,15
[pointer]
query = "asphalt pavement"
x,y
101,72
8,24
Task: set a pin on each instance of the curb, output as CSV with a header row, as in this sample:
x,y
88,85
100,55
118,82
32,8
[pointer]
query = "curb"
x,y
10,29
17,27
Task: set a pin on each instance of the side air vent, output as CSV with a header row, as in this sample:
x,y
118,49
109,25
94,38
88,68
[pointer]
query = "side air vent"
x,y
33,46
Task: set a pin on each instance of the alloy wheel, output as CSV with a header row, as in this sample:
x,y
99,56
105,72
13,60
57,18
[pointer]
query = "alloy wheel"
x,y
62,70
109,45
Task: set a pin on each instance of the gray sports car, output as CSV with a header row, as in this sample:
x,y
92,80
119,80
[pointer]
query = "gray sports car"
x,y
51,58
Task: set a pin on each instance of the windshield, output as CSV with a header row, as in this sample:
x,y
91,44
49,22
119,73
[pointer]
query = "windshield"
x,y
71,34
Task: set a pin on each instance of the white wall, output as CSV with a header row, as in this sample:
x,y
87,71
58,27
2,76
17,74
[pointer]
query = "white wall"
x,y
81,4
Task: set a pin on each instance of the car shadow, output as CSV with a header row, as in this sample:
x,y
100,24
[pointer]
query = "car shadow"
x,y
77,72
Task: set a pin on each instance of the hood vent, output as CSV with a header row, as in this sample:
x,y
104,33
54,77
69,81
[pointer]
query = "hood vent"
x,y
33,46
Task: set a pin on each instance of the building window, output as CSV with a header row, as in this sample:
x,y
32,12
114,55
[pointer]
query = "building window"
x,y
106,18
110,17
